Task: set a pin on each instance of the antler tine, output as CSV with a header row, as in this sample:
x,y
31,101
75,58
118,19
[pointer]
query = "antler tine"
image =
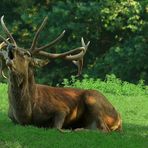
x,y
83,43
66,55
69,55
1,70
2,66
37,34
3,75
7,31
49,44
75,55
79,63
81,54
5,41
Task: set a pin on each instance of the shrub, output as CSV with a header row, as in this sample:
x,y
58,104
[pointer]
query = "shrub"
x,y
110,85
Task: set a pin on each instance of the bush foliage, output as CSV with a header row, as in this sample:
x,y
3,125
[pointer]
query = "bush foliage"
x,y
117,30
111,85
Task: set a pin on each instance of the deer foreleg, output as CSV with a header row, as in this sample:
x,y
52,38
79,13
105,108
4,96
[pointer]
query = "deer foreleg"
x,y
11,116
59,120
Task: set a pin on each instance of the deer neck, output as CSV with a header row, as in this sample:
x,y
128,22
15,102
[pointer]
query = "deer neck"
x,y
22,83
21,94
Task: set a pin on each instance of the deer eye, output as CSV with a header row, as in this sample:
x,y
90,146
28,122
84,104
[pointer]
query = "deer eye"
x,y
27,53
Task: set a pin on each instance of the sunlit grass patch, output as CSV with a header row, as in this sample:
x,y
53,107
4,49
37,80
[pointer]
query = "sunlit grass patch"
x,y
133,109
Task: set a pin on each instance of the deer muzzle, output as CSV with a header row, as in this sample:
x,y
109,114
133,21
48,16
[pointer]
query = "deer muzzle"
x,y
9,63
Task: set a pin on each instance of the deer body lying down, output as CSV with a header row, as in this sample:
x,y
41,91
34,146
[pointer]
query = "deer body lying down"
x,y
63,108
53,107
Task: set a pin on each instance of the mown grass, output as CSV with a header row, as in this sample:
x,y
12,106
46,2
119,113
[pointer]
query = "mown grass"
x,y
132,106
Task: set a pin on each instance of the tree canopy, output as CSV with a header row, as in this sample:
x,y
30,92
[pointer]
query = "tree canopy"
x,y
117,30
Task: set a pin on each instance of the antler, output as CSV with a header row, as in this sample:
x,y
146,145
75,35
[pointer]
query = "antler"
x,y
33,48
76,55
5,42
79,63
2,67
3,55
37,34
69,54
7,32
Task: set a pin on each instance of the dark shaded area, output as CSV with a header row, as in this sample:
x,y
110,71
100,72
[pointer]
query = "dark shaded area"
x,y
117,30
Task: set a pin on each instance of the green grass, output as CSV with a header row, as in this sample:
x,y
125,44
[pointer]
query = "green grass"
x,y
133,109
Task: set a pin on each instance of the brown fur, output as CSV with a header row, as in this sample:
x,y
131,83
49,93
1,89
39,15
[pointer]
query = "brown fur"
x,y
55,107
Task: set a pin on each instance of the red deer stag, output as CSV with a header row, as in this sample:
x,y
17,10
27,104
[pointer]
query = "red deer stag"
x,y
53,107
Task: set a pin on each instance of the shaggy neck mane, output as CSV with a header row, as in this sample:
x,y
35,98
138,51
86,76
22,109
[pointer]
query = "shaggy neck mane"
x,y
21,92
22,83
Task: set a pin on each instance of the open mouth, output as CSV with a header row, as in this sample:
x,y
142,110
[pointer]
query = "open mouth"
x,y
9,61
10,58
10,54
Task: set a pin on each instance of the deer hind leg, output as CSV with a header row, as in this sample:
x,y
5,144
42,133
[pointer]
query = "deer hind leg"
x,y
98,124
101,125
95,114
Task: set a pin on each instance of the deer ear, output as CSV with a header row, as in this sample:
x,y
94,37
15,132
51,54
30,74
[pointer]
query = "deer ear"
x,y
39,62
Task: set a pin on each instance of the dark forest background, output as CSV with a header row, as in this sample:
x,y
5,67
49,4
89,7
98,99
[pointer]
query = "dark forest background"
x,y
117,30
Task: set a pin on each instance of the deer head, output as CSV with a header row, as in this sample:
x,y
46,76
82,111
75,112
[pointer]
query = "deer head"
x,y
18,59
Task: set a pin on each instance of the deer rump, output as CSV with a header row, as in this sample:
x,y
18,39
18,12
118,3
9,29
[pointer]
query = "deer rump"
x,y
71,108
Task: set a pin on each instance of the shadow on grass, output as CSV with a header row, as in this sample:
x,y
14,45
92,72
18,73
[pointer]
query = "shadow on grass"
x,y
17,136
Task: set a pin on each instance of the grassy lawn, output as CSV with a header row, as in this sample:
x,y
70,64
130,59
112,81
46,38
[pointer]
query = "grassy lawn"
x,y
133,109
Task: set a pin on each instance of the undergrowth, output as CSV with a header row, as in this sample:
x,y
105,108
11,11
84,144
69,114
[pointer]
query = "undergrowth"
x,y
110,85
